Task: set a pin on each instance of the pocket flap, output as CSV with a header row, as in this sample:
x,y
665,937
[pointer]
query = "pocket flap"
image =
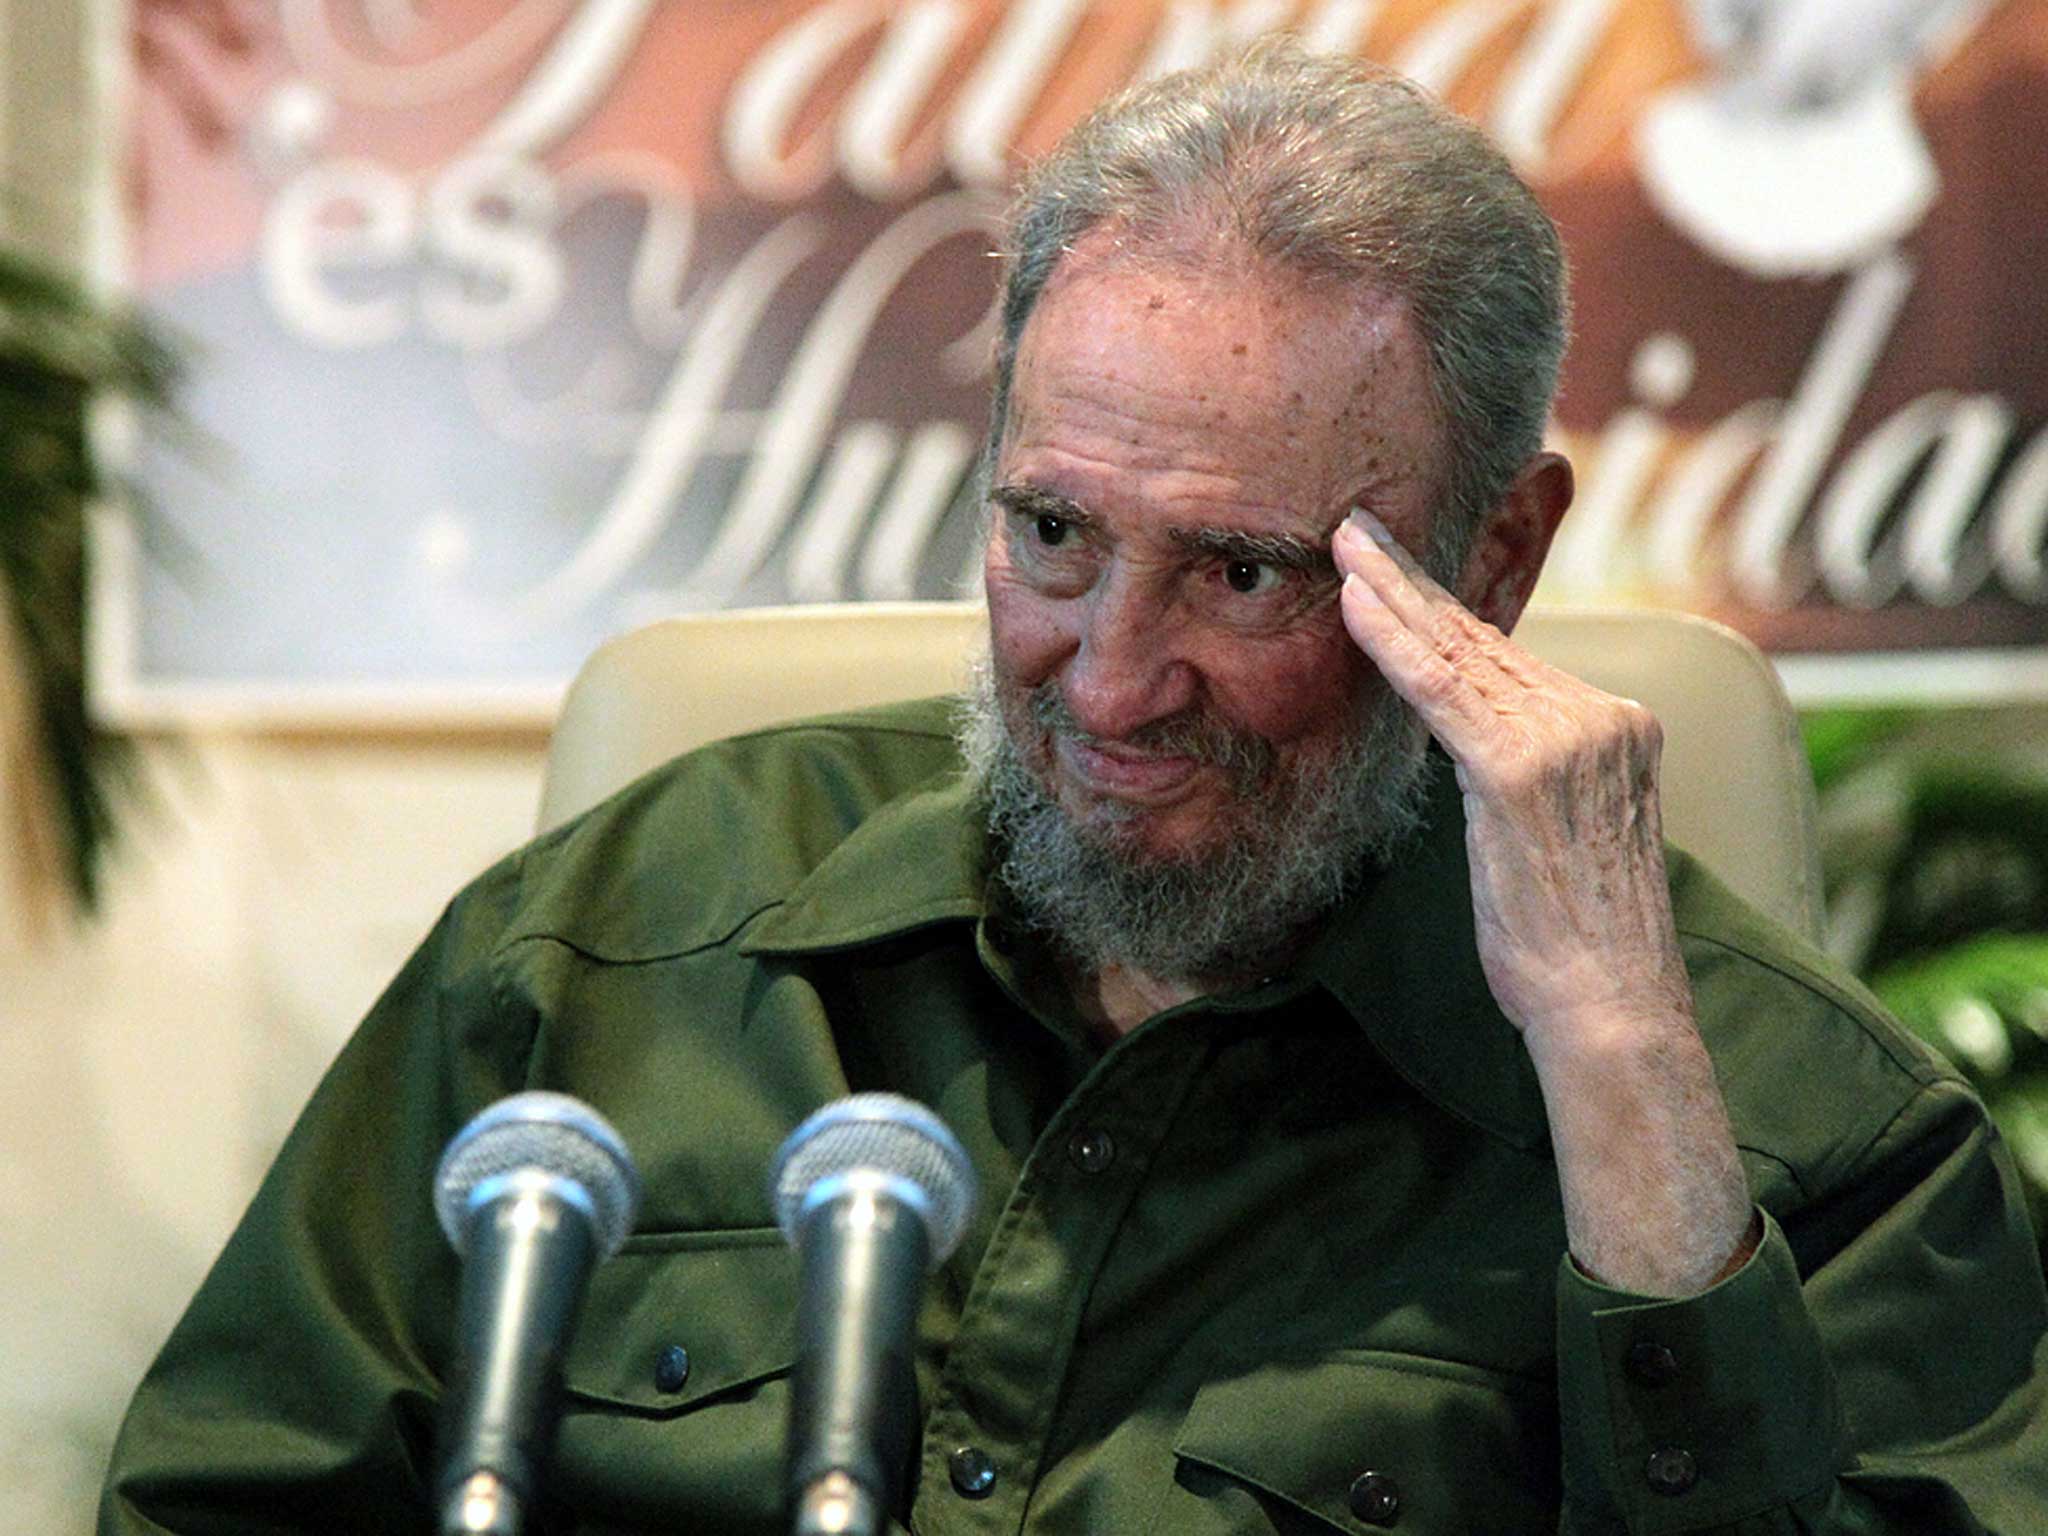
x,y
725,1300
1457,1448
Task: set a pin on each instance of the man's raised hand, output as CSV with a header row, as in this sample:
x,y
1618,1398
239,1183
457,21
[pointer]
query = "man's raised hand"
x,y
1560,787
1573,919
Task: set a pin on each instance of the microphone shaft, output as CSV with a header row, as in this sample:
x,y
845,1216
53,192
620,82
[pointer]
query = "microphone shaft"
x,y
854,1399
527,1257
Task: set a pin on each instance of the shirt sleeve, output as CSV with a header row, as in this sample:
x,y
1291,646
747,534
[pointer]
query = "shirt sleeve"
x,y
298,1391
1874,1367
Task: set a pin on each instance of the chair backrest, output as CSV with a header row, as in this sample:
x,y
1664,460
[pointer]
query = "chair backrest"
x,y
1736,789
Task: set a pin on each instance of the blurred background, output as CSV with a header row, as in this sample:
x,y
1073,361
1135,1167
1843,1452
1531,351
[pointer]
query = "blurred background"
x,y
363,363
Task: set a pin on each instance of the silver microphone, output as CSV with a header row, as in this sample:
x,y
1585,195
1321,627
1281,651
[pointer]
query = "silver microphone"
x,y
534,1193
872,1191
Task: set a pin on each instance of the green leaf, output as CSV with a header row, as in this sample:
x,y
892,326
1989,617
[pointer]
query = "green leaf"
x,y
61,351
1839,741
1983,1003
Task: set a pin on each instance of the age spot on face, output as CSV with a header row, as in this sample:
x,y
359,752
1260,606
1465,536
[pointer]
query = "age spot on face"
x,y
1161,420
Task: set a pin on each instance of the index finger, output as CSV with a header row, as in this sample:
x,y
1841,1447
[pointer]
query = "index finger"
x,y
1456,712
1497,665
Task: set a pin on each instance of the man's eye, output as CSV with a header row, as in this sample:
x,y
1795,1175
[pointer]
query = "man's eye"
x,y
1051,530
1251,576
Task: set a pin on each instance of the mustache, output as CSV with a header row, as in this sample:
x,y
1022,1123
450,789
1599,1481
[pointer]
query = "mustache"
x,y
1244,756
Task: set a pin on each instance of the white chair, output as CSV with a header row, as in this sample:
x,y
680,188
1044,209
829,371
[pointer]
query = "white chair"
x,y
1736,789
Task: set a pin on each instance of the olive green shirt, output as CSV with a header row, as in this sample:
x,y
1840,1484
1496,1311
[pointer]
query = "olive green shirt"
x,y
1290,1259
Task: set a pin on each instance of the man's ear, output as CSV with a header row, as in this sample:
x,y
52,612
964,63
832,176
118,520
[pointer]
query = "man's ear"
x,y
1507,557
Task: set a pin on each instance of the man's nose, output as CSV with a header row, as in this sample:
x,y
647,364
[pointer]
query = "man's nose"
x,y
1129,667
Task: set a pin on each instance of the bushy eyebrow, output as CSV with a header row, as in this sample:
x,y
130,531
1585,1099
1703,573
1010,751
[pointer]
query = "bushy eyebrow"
x,y
1031,501
1282,550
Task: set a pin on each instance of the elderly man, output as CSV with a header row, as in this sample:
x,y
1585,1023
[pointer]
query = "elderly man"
x,y
1376,1133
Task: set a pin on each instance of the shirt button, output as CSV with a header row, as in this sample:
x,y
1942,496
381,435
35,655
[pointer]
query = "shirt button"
x,y
1652,1364
1091,1151
973,1474
1375,1498
1671,1471
671,1368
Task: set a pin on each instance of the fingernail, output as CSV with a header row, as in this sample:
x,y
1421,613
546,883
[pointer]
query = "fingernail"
x,y
1356,587
1371,525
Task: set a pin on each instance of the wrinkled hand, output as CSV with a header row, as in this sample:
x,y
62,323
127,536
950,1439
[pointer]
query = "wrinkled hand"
x,y
1560,787
1574,922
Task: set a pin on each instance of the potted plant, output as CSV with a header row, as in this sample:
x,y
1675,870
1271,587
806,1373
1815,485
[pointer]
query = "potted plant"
x,y
1936,871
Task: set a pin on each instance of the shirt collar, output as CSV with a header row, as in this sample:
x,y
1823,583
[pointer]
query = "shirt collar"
x,y
1400,956
923,858
1402,959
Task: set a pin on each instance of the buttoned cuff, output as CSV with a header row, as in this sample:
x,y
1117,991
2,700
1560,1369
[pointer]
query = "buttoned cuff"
x,y
1679,1415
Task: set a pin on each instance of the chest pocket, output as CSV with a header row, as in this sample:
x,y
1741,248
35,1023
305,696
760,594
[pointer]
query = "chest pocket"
x,y
1364,1440
677,1386
674,1320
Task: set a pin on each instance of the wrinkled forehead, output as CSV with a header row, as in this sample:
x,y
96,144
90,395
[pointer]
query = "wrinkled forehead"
x,y
1176,275
1155,362
1199,250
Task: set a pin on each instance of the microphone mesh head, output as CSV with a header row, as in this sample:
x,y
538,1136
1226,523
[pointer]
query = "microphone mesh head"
x,y
548,1133
878,1133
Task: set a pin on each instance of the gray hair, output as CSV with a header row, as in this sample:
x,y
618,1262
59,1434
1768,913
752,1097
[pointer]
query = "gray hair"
x,y
1330,168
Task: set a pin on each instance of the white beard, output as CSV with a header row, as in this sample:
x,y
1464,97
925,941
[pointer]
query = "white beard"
x,y
1301,844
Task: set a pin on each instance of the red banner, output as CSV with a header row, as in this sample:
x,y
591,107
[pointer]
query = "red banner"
x,y
527,319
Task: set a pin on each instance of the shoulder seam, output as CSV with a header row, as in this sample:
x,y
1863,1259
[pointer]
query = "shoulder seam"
x,y
1922,1073
1939,1086
846,724
539,936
